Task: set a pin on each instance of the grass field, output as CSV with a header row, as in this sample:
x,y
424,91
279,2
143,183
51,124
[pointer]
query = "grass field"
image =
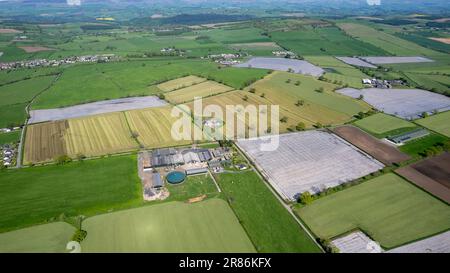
x,y
204,89
269,225
35,195
338,72
48,238
207,226
153,127
382,125
193,186
10,137
416,147
436,83
134,78
389,209
180,83
385,41
439,123
324,41
15,96
258,48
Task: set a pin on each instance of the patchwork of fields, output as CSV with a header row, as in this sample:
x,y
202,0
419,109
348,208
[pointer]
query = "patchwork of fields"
x,y
388,208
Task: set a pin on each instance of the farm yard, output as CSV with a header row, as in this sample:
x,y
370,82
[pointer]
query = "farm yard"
x,y
47,238
309,161
383,152
50,191
404,103
207,226
382,125
204,89
438,123
384,208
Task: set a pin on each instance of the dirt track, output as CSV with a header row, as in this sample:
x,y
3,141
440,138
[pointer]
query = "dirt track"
x,y
432,175
376,148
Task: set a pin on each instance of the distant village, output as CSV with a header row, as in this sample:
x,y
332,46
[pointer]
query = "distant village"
x,y
54,63
383,84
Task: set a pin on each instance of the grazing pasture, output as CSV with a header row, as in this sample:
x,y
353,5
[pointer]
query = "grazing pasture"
x,y
135,78
48,238
11,137
207,226
180,83
15,96
153,127
384,41
382,125
35,195
268,224
417,147
389,209
324,41
439,123
204,89
258,48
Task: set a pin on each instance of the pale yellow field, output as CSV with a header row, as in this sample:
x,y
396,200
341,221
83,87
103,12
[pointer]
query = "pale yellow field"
x,y
97,135
180,83
203,89
45,141
153,126
236,98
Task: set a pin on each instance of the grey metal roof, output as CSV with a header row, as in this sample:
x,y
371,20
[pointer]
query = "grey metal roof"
x,y
157,181
409,136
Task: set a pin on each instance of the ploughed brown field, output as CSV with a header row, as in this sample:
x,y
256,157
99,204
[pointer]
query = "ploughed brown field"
x,y
376,148
432,175
9,31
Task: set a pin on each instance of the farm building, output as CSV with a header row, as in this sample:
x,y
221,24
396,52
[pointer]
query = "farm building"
x,y
171,156
400,139
157,181
196,171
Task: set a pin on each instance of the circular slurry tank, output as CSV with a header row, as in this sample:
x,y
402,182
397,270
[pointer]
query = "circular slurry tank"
x,y
175,177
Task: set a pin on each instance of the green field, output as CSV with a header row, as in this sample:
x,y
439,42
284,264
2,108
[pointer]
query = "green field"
x,y
135,78
207,226
338,72
269,225
48,238
439,123
15,96
35,195
324,41
193,186
10,137
389,209
382,125
416,147
391,44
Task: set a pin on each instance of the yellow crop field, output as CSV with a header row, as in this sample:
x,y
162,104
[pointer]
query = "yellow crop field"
x,y
318,101
45,141
153,127
204,89
97,135
180,83
245,99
